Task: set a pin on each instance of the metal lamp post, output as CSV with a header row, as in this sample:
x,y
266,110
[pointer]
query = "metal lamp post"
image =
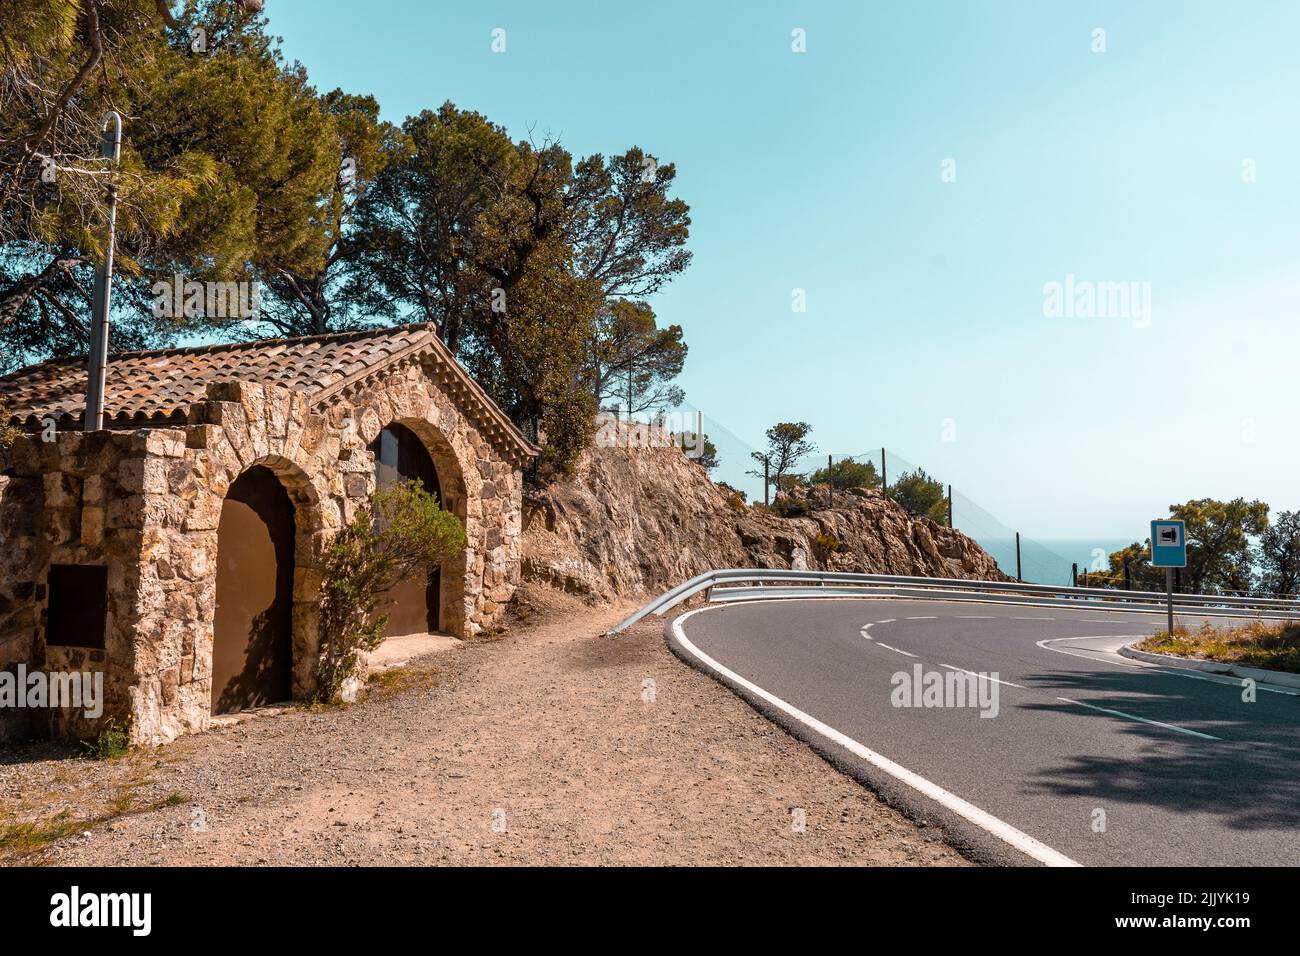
x,y
111,149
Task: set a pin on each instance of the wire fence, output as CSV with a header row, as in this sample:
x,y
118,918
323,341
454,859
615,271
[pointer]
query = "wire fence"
x,y
1037,562
1030,559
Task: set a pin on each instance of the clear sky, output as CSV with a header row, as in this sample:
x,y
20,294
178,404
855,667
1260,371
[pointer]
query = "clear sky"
x,y
925,316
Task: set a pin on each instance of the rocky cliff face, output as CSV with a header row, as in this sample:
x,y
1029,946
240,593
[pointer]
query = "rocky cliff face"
x,y
633,521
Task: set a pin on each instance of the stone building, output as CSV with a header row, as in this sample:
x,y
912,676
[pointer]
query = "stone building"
x,y
177,550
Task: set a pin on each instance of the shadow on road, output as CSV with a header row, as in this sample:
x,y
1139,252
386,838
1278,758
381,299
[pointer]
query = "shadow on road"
x,y
1250,778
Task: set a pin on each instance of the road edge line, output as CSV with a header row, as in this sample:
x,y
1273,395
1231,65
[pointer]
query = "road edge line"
x,y
1033,848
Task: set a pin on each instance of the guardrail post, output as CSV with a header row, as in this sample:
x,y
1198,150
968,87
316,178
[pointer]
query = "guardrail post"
x,y
1018,577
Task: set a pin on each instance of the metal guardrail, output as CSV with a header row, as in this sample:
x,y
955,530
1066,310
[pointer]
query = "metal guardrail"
x,y
730,586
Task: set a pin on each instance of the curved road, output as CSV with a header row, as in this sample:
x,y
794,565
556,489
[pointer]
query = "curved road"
x,y
1104,760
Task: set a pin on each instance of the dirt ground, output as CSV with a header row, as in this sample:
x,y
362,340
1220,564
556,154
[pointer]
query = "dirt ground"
x,y
550,745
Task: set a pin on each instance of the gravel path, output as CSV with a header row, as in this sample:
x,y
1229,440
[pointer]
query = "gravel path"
x,y
547,746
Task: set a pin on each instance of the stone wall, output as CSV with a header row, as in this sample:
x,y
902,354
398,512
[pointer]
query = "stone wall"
x,y
148,503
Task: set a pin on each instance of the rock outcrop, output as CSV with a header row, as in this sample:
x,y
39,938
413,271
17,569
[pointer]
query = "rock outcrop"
x,y
633,521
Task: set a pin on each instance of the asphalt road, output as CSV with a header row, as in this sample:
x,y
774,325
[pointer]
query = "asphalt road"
x,y
1105,760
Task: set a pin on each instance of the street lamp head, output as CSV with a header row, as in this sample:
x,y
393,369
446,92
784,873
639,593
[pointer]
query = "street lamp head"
x,y
110,146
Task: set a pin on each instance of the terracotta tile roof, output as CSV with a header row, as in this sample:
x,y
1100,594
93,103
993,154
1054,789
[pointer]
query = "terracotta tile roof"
x,y
158,387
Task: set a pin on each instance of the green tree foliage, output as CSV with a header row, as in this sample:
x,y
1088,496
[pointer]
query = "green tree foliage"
x,y
401,533
1220,553
705,453
8,432
516,254
921,495
1279,555
847,473
438,227
313,295
1141,575
632,360
708,456
228,159
737,497
787,443
235,168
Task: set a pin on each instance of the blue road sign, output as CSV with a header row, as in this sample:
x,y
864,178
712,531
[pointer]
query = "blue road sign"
x,y
1168,544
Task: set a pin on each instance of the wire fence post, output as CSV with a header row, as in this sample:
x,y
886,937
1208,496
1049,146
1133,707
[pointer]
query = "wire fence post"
x,y
950,506
830,484
1128,579
1018,575
765,482
884,474
1074,574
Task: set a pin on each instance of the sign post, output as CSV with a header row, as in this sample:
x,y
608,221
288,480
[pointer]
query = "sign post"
x,y
1169,551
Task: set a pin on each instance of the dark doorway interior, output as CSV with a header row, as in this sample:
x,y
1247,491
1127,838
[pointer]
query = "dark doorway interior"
x,y
252,652
401,456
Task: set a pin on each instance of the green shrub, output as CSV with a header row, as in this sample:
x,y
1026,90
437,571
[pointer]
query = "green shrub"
x,y
735,497
402,532
788,506
921,495
8,433
847,473
825,544
113,741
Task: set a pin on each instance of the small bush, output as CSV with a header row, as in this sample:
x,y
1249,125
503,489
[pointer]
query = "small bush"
x,y
735,497
403,532
847,473
112,742
788,506
825,544
8,433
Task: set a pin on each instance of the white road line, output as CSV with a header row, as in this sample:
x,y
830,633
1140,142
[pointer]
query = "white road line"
x,y
1046,643
888,620
1222,679
976,617
1157,723
894,649
1033,618
982,676
1105,657
1023,842
930,617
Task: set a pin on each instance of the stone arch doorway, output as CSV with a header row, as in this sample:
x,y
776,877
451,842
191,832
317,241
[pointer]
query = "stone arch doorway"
x,y
252,655
400,455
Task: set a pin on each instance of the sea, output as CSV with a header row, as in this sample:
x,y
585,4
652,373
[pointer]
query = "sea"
x,y
1048,561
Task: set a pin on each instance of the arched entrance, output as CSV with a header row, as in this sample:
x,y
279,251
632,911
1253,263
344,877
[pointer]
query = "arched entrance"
x,y
252,645
400,455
